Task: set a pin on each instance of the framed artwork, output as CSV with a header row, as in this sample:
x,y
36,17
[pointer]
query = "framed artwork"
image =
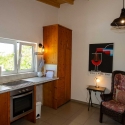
x,y
101,57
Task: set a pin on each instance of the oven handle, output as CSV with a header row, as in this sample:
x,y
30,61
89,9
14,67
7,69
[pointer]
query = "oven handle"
x,y
22,95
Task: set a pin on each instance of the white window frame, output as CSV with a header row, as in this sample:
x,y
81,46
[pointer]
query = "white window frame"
x,y
20,54
9,41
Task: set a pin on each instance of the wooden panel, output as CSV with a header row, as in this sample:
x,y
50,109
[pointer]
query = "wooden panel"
x,y
5,108
32,116
60,101
68,75
48,94
60,82
55,104
60,91
69,39
50,43
61,52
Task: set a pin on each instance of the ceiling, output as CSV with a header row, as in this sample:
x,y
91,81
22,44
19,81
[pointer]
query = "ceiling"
x,y
57,3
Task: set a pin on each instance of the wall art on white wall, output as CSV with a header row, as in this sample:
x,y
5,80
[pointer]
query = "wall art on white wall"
x,y
101,57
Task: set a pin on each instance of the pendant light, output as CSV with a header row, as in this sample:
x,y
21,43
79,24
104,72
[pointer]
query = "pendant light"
x,y
120,22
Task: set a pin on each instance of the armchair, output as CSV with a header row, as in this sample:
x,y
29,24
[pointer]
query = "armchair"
x,y
113,104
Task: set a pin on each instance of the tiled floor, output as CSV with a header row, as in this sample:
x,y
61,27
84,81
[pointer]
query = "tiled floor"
x,y
71,113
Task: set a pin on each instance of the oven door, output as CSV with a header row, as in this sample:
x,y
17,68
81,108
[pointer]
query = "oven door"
x,y
21,105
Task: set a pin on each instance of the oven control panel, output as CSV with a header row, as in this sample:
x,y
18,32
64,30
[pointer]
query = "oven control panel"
x,y
22,90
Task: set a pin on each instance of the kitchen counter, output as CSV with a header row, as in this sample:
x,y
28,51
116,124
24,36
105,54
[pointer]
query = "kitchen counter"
x,y
33,80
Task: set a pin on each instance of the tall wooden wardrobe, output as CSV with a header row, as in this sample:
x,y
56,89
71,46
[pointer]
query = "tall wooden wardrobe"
x,y
57,41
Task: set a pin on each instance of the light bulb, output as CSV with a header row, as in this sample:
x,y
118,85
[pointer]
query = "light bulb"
x,y
97,80
122,21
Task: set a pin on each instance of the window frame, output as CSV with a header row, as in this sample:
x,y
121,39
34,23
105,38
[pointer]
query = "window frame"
x,y
21,43
17,60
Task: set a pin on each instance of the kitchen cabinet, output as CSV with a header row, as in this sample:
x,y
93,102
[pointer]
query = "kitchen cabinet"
x,y
57,41
5,108
48,94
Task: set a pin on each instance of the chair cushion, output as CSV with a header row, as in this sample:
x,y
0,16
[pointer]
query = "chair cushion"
x,y
114,105
120,96
119,84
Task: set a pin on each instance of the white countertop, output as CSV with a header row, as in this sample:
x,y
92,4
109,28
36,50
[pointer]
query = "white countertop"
x,y
34,81
39,80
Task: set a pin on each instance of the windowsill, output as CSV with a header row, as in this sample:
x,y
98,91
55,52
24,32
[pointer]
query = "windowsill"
x,y
4,75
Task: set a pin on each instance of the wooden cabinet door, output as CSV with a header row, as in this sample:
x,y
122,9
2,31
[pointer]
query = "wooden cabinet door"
x,y
48,94
68,39
61,51
5,108
68,75
50,39
60,91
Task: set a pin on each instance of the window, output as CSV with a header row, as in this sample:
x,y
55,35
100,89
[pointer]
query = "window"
x,y
26,58
16,56
8,56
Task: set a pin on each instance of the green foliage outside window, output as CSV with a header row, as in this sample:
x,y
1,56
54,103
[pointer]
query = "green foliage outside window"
x,y
7,61
26,60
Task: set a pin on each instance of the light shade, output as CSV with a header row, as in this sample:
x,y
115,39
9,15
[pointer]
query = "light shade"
x,y
120,22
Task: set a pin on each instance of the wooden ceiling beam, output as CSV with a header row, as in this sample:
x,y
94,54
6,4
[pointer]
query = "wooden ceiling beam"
x,y
50,2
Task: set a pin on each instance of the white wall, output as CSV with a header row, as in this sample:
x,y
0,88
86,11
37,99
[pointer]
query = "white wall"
x,y
24,19
90,21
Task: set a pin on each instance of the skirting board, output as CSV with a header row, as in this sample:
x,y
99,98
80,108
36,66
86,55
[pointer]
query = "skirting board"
x,y
85,103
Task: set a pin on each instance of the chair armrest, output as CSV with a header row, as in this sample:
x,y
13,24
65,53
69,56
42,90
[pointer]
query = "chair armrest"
x,y
107,97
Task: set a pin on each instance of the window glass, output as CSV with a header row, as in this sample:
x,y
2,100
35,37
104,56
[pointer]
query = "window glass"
x,y
26,57
7,57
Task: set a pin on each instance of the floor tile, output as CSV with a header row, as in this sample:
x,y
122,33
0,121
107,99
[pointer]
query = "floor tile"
x,y
111,122
45,115
69,122
56,120
71,113
93,122
22,122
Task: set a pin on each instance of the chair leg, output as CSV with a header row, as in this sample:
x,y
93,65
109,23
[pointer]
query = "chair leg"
x,y
101,114
101,117
123,120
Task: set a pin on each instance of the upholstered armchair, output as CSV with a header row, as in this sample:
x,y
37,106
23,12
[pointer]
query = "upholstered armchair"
x,y
113,104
